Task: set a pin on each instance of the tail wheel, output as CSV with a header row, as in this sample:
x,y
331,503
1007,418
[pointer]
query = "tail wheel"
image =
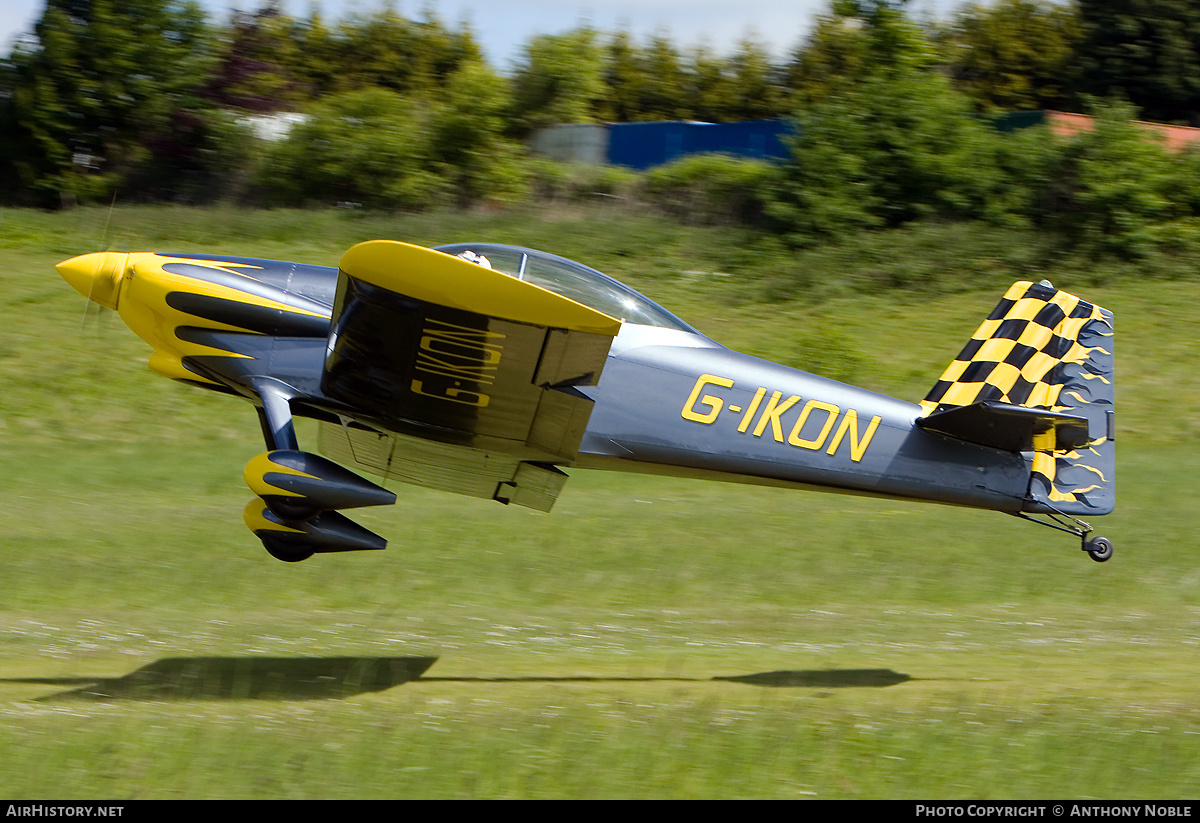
x,y
1099,549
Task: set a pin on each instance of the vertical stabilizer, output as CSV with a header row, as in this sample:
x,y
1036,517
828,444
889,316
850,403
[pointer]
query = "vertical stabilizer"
x,y
1042,348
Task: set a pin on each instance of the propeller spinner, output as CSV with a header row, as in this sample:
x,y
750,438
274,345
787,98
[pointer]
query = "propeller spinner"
x,y
96,276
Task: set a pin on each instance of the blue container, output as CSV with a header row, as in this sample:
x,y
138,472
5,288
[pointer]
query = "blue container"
x,y
642,145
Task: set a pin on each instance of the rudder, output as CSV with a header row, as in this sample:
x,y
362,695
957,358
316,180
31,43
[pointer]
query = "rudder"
x,y
1042,348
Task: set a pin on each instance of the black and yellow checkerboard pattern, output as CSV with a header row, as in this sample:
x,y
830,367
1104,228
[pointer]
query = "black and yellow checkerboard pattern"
x,y
1047,349
1016,354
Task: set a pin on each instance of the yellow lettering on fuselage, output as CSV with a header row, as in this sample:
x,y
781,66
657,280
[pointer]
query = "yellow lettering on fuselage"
x,y
850,424
831,412
771,415
758,396
706,408
714,404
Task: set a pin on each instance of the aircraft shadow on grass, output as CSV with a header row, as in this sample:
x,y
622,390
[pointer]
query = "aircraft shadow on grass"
x,y
331,678
245,678
828,679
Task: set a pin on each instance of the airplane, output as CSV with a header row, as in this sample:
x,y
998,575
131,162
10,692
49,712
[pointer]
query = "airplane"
x,y
487,369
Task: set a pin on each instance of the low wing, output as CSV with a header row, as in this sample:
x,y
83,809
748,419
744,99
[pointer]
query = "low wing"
x,y
456,376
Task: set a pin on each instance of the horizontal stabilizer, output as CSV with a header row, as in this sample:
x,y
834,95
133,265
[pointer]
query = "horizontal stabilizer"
x,y
1008,427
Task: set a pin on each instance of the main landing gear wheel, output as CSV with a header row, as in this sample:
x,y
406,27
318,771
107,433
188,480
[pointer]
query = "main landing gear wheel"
x,y
285,552
1099,548
287,509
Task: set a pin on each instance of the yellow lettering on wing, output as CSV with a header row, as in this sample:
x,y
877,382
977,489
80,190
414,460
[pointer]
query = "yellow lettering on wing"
x,y
714,403
458,352
465,349
454,395
460,371
453,331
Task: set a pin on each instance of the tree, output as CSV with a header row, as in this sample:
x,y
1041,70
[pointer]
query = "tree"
x,y
1117,186
371,147
1144,51
662,92
836,51
623,79
259,69
757,90
385,50
384,150
650,82
888,143
105,81
560,79
319,66
469,120
1013,54
712,90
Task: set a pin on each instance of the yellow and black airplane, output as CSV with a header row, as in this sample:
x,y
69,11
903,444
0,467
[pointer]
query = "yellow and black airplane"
x,y
487,369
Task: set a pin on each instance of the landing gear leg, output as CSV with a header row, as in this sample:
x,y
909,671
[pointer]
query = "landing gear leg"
x,y
275,415
1099,549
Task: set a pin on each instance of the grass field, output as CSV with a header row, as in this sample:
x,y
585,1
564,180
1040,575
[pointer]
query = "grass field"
x,y
649,638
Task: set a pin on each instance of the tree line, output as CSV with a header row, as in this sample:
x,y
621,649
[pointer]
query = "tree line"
x,y
152,100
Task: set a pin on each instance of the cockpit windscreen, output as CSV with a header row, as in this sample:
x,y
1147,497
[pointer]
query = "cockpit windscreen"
x,y
570,279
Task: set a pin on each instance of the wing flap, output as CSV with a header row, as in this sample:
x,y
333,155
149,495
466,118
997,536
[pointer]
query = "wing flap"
x,y
444,466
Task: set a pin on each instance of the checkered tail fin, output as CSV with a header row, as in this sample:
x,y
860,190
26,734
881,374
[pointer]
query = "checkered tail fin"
x,y
1047,350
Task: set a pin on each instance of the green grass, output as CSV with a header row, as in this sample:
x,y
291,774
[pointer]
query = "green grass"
x,y
649,638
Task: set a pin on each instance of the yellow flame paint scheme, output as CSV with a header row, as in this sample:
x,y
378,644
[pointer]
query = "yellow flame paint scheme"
x,y
257,469
255,518
137,285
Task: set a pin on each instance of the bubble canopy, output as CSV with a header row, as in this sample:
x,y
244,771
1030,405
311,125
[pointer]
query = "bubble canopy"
x,y
574,280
